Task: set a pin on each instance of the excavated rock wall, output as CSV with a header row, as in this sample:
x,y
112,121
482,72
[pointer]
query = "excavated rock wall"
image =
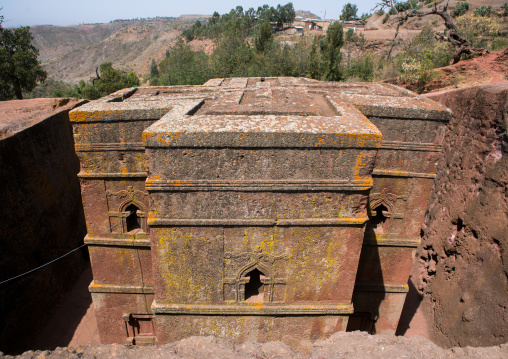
x,y
463,260
41,215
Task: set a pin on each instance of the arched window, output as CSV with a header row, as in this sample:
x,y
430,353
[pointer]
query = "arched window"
x,y
379,217
254,290
132,221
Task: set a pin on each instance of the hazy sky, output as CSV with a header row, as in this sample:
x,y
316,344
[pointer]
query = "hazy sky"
x,y
72,12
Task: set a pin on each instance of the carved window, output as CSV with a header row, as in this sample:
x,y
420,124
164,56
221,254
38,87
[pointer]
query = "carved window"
x,y
254,290
379,216
254,277
127,215
382,210
133,219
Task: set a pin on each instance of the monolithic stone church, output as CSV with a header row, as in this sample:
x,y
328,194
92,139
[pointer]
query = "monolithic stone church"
x,y
254,208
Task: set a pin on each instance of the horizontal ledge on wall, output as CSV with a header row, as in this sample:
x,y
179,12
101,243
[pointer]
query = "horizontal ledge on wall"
x,y
392,242
259,185
400,112
397,173
411,146
384,288
100,147
95,287
200,222
256,309
112,174
122,242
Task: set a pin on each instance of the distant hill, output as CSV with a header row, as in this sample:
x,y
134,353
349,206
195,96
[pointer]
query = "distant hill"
x,y
306,15
71,53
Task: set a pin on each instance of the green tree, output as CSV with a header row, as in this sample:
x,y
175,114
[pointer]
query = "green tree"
x,y
264,38
154,70
184,66
108,81
19,69
352,40
330,48
314,71
232,56
348,12
131,80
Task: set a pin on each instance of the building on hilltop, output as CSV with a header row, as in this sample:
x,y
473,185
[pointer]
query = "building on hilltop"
x,y
254,208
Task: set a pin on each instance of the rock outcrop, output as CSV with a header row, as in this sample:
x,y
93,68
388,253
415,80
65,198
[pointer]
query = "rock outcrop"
x,y
41,215
462,269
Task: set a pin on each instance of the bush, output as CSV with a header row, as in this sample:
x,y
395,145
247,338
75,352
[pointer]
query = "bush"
x,y
385,19
439,53
483,11
505,9
380,12
363,68
404,6
499,44
475,28
418,71
460,9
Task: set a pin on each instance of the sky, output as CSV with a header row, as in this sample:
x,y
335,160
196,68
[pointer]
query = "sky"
x,y
74,12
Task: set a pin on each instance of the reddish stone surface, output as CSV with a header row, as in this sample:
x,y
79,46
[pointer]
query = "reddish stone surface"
x,y
41,217
462,268
254,198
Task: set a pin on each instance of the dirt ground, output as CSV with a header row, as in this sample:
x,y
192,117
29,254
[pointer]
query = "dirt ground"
x,y
353,345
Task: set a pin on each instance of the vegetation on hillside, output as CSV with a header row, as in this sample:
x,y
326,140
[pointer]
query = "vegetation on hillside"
x,y
244,22
245,45
250,43
108,80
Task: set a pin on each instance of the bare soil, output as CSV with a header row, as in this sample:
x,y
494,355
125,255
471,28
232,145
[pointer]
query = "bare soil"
x,y
488,69
353,345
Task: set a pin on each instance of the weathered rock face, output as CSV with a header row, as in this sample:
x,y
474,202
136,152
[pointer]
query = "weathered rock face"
x,y
463,267
41,216
250,204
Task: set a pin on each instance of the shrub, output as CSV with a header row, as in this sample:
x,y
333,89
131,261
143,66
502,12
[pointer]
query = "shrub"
x,y
404,6
499,43
418,71
380,12
460,9
363,68
483,11
505,9
477,26
385,19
